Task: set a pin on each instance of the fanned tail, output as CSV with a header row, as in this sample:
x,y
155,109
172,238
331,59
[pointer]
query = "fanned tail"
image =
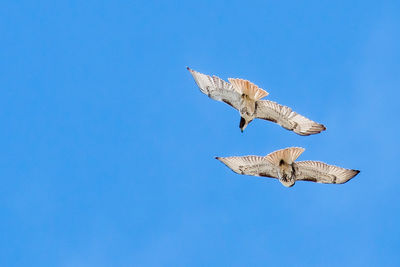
x,y
288,155
248,88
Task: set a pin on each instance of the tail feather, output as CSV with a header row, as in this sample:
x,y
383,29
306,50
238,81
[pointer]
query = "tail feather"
x,y
248,88
288,155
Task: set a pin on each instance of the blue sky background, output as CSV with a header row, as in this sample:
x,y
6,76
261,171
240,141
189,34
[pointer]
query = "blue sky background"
x,y
108,146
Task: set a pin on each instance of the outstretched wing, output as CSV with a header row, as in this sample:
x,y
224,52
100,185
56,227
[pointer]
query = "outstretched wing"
x,y
287,118
250,165
319,172
217,88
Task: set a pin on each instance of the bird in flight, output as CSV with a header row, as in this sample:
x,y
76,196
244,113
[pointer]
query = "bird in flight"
x,y
246,98
281,165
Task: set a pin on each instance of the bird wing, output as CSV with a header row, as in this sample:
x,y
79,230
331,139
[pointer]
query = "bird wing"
x,y
319,172
287,118
250,165
217,89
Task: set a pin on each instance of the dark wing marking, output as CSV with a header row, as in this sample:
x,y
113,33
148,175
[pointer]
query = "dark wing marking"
x,y
319,172
217,89
250,165
287,118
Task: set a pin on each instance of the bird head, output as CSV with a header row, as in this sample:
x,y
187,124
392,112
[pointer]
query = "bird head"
x,y
286,174
243,124
288,183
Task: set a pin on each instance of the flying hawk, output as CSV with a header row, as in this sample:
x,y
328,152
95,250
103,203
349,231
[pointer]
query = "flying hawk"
x,y
245,97
280,164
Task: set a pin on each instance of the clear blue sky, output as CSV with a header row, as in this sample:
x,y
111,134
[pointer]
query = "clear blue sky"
x,y
108,146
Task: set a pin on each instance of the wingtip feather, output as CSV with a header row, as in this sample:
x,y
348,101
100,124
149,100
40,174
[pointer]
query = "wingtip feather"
x,y
352,175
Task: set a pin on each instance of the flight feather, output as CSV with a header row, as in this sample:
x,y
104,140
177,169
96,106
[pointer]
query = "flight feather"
x,y
250,165
321,172
216,88
287,118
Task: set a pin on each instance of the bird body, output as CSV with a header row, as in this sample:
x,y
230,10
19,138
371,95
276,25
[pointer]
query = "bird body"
x,y
281,165
245,96
247,111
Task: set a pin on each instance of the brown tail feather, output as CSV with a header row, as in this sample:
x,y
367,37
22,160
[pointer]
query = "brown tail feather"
x,y
288,155
248,88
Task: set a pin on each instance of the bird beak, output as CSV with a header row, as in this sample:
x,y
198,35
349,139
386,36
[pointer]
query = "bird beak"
x,y
241,130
